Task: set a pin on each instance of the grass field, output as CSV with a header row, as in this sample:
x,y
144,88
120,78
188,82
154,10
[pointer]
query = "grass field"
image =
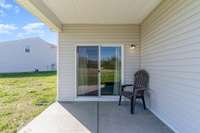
x,y
23,96
90,76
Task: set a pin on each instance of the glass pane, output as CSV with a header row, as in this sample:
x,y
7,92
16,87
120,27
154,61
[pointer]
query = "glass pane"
x,y
110,70
87,71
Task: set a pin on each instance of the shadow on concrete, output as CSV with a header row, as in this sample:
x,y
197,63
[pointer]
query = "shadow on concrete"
x,y
95,117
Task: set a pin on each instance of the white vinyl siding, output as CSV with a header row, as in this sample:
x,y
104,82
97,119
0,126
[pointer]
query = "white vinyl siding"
x,y
14,58
170,52
93,34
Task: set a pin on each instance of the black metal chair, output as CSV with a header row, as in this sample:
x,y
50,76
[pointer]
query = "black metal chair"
x,y
141,83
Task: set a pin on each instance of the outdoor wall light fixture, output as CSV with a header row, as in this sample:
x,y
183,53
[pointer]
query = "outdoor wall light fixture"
x,y
132,46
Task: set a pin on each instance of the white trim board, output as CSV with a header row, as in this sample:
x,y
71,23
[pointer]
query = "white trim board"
x,y
97,98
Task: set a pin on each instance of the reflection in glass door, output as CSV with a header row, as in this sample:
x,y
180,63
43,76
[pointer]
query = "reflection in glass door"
x,y
98,70
87,70
110,70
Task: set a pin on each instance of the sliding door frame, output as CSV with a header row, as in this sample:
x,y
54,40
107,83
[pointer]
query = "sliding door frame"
x,y
99,97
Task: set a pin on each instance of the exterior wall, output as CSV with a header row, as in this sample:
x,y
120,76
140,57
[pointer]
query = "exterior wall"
x,y
170,52
96,34
15,59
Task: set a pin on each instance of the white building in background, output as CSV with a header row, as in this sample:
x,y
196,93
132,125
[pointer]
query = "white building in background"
x,y
27,55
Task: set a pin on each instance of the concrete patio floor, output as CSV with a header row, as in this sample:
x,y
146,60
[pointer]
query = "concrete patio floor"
x,y
95,117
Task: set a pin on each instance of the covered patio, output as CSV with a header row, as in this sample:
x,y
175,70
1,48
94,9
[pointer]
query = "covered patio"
x,y
165,34
95,117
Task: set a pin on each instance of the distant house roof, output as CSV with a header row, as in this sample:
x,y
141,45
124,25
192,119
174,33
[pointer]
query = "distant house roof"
x,y
34,39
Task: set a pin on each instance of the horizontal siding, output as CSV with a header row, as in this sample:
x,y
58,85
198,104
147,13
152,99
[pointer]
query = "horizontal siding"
x,y
66,75
100,34
170,52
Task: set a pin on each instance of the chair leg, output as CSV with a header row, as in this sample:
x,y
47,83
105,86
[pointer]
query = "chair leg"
x,y
120,99
144,105
132,105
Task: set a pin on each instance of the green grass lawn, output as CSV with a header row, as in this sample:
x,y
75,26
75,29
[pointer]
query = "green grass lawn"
x,y
23,96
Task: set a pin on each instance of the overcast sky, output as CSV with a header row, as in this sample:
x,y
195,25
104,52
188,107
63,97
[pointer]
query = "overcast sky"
x,y
17,23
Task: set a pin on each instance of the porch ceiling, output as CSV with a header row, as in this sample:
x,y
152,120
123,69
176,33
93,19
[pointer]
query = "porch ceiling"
x,y
57,12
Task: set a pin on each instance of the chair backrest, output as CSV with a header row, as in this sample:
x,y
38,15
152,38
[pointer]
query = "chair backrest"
x,y
141,79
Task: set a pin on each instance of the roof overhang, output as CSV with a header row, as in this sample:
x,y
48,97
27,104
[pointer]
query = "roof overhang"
x,y
40,10
56,13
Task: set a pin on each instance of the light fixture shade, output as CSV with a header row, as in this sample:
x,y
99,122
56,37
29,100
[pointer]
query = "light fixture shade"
x,y
132,46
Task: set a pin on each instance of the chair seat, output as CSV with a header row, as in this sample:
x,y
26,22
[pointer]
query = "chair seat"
x,y
129,94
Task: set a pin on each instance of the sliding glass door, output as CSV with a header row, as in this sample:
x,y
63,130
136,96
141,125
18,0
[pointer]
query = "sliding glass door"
x,y
110,70
98,70
87,70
